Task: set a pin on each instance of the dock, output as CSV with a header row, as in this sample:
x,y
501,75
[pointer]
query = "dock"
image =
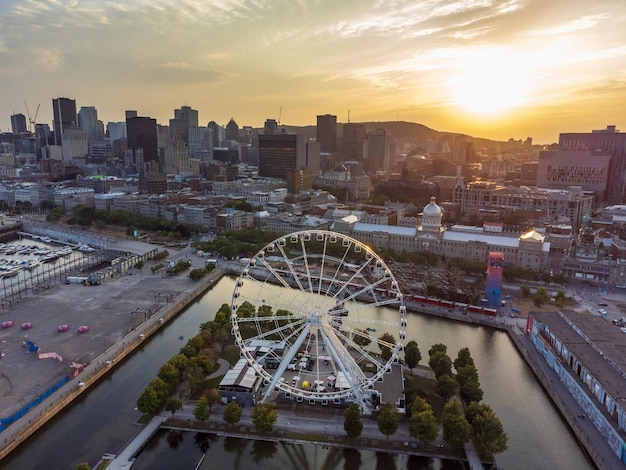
x,y
125,459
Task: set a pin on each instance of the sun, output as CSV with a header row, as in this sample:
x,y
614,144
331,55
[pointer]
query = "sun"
x,y
488,84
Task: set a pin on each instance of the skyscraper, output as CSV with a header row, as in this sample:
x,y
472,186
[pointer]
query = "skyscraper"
x,y
18,123
142,140
352,143
327,132
281,154
64,116
88,121
376,150
232,130
184,119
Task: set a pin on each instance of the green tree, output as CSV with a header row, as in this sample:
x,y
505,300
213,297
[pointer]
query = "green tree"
x,y
264,311
361,337
173,404
456,430
488,433
446,386
232,413
412,355
264,416
525,291
387,340
419,405
463,359
352,424
471,391
197,273
437,347
83,466
213,397
465,374
540,297
202,411
388,419
423,426
245,310
475,408
148,402
169,374
441,364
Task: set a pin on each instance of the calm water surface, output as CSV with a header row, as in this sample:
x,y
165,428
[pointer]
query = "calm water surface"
x,y
102,421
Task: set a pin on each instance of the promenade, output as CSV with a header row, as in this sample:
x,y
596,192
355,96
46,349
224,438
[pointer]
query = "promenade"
x,y
112,340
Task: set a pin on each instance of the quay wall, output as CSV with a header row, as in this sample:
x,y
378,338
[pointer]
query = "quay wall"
x,y
25,427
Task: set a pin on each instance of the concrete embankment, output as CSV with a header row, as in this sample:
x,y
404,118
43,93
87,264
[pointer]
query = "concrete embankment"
x,y
15,434
595,445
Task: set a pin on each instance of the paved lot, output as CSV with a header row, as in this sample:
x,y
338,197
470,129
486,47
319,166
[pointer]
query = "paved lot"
x,y
106,309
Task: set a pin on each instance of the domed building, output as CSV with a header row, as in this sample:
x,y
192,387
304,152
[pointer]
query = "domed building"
x,y
530,249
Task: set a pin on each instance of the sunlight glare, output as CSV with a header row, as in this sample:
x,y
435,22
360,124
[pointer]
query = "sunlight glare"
x,y
487,84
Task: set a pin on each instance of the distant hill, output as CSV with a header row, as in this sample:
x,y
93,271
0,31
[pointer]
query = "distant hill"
x,y
409,131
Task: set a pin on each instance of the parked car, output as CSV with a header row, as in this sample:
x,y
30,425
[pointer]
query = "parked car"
x,y
603,304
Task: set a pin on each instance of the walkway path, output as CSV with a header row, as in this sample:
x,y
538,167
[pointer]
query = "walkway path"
x,y
124,460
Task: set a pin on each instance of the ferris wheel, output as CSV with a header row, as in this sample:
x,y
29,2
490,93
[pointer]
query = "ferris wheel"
x,y
320,317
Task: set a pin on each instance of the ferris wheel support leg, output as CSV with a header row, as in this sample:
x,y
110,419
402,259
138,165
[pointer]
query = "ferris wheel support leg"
x,y
293,350
341,360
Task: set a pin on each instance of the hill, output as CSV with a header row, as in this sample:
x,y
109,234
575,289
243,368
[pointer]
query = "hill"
x,y
411,131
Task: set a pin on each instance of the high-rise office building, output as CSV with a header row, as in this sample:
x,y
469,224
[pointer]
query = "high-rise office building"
x,y
232,130
131,113
599,143
88,121
270,127
281,154
64,116
218,134
352,143
18,123
327,132
377,153
142,140
184,119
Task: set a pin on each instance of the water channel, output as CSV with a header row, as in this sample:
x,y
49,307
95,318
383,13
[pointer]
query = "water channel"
x,y
102,420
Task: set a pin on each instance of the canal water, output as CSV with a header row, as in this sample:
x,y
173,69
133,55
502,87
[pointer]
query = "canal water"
x,y
102,420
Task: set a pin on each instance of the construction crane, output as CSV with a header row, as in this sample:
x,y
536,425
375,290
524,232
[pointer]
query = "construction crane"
x,y
31,119
280,113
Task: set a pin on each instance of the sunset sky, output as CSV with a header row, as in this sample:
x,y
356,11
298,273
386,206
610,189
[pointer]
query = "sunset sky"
x,y
488,68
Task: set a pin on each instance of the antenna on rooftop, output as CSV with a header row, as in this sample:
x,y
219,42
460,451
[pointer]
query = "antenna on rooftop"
x,y
280,113
348,116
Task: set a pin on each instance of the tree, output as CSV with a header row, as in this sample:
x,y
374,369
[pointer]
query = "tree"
x,y
419,405
388,419
232,413
264,416
456,430
352,421
525,290
446,386
465,374
423,426
202,410
173,404
463,359
169,374
148,402
471,391
441,364
437,347
387,340
412,355
213,397
540,297
83,466
245,310
488,433
361,337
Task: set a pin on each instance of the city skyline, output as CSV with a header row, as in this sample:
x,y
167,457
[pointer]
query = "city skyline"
x,y
492,69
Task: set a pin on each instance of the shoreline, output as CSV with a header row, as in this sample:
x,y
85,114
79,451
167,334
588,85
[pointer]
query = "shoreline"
x,y
14,435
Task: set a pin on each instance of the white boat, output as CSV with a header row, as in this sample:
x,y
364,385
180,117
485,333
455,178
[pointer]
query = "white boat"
x,y
65,251
9,272
85,249
46,239
49,258
32,264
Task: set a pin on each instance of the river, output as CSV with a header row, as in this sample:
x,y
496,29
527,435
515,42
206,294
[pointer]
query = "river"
x,y
102,421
